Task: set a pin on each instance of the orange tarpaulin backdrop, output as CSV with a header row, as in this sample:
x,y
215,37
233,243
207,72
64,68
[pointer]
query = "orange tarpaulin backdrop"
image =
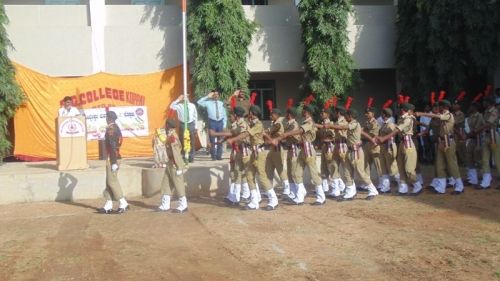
x,y
34,122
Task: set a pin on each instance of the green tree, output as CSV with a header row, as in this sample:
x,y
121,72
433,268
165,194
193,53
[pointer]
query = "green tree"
x,y
218,39
328,64
11,95
450,45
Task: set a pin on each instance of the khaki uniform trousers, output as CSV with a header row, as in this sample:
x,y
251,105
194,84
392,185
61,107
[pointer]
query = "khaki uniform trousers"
x,y
328,166
407,163
388,159
291,163
489,151
339,159
446,160
355,164
461,156
172,181
274,161
257,166
239,164
113,187
473,153
372,156
302,163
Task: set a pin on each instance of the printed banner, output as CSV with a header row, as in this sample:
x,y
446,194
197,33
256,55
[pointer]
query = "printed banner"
x,y
132,120
141,101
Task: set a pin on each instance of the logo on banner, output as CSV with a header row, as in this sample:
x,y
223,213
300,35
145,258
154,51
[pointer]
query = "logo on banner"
x,y
71,127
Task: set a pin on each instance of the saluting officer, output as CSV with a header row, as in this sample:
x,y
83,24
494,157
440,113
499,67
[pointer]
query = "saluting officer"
x,y
174,172
257,164
113,140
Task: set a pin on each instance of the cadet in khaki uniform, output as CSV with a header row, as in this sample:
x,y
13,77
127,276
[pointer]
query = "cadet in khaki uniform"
x,y
407,153
446,157
491,141
240,155
307,157
275,156
174,172
371,150
327,137
474,143
356,159
257,163
113,140
339,152
291,143
459,131
388,152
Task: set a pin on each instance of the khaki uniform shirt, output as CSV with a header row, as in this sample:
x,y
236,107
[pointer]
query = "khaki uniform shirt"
x,y
276,128
173,147
326,134
405,124
256,132
387,128
491,116
341,134
353,133
459,120
371,127
447,123
238,127
309,130
292,125
475,121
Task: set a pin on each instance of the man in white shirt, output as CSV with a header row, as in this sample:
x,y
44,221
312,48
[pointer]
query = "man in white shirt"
x,y
192,117
68,110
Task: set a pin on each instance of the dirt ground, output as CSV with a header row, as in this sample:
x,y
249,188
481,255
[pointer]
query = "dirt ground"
x,y
430,237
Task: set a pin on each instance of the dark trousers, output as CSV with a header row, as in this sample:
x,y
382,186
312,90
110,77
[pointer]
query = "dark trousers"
x,y
191,137
215,149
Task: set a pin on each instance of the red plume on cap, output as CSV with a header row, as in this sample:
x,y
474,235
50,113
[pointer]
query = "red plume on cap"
x,y
387,104
401,99
289,103
253,95
407,99
269,104
442,94
477,97
461,96
487,91
308,100
433,98
370,102
327,105
335,101
348,103
233,102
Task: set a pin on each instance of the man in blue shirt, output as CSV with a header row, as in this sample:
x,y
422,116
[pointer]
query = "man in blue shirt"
x,y
217,120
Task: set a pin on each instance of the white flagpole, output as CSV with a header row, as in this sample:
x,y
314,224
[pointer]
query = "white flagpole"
x,y
184,52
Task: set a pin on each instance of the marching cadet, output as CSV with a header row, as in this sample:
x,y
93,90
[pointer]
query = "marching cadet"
x,y
458,131
327,137
257,162
474,143
371,150
446,157
339,152
490,147
291,143
113,140
407,153
388,151
307,157
275,156
355,162
240,154
174,172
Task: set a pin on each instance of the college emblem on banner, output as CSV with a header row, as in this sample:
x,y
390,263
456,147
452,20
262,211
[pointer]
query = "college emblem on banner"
x,y
71,127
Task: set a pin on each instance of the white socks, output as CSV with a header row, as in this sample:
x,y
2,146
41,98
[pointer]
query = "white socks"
x,y
320,194
485,183
245,190
417,187
123,203
324,185
273,199
165,203
459,185
254,200
108,205
182,205
403,188
350,191
286,187
372,191
301,193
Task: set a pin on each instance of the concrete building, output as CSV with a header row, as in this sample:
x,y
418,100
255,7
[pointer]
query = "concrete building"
x,y
141,36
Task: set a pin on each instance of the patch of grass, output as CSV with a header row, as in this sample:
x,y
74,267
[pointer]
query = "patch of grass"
x,y
497,274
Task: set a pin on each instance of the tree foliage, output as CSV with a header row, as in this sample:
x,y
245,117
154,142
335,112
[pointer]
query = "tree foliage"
x,y
328,64
218,39
11,95
446,44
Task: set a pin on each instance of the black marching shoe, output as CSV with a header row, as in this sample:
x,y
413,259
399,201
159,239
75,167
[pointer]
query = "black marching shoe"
x,y
271,208
343,199
177,211
455,192
248,208
245,200
385,192
231,203
316,203
104,211
402,193
479,187
122,210
370,197
417,193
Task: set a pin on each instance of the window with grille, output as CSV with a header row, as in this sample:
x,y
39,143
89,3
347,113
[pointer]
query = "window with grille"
x,y
254,2
265,90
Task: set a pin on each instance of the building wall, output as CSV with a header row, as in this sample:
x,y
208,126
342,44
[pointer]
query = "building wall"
x,y
56,40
